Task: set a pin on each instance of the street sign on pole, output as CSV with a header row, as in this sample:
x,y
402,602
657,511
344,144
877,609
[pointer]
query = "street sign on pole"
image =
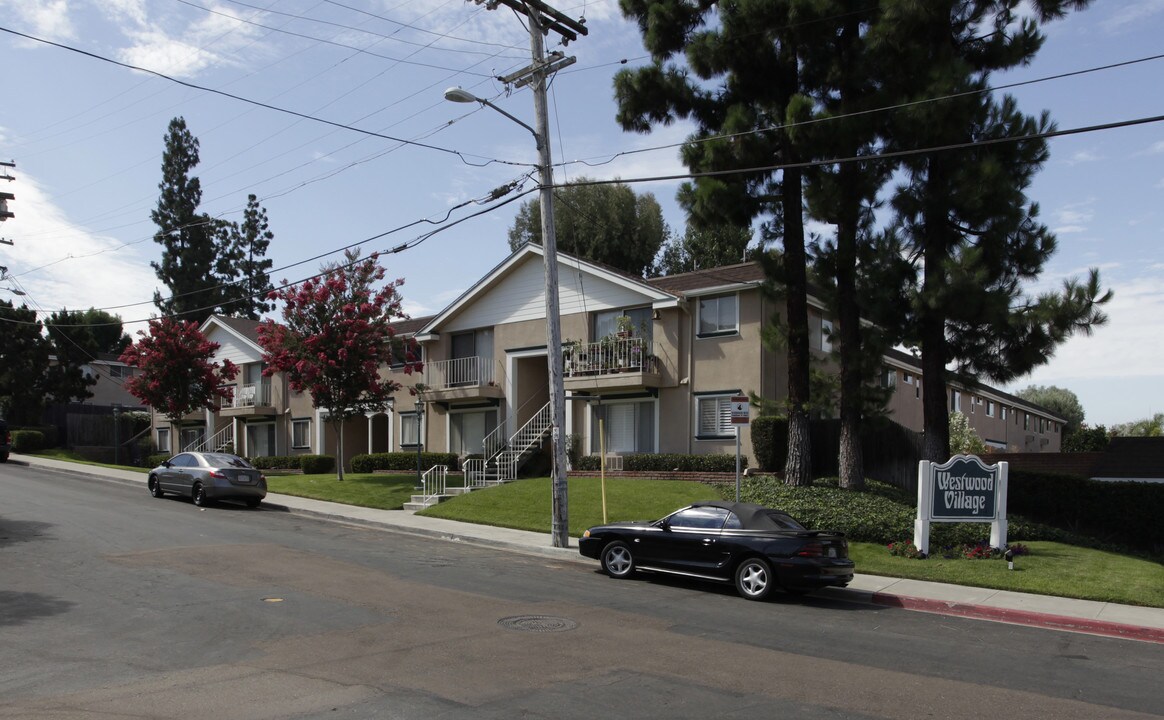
x,y
740,411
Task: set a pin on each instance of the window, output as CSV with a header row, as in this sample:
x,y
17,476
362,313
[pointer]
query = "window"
x,y
718,315
989,408
409,429
907,378
629,427
955,401
164,440
301,433
260,439
403,350
888,378
699,518
191,436
826,335
973,402
1026,421
606,322
715,417
469,429
1002,411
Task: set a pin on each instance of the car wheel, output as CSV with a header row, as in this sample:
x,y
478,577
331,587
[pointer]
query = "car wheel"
x,y
155,487
253,502
199,495
754,579
617,560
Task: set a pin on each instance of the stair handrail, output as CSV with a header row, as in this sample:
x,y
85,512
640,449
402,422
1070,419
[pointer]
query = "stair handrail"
x,y
474,472
215,443
433,482
507,461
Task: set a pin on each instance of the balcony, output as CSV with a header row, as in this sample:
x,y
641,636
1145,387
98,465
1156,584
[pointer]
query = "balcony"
x,y
464,378
251,399
612,363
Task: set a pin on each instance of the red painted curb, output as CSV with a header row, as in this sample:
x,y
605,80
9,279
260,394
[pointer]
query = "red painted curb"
x,y
1022,617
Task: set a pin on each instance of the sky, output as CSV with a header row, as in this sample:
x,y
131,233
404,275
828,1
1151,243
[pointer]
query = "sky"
x,y
305,103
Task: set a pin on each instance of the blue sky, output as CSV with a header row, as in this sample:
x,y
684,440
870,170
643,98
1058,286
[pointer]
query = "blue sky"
x,y
87,137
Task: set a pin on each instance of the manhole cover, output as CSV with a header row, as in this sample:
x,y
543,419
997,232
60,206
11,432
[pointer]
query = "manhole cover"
x,y
537,623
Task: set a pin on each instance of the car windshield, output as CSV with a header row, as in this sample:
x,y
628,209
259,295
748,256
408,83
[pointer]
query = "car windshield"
x,y
224,460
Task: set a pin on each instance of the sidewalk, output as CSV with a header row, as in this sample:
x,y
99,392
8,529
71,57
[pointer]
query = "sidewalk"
x,y
1086,616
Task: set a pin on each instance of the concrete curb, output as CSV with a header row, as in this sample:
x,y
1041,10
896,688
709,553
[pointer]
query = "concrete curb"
x,y
1021,617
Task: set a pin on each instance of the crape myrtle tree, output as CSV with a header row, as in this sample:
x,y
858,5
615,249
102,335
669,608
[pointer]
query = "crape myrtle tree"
x,y
732,69
335,337
963,213
605,222
178,372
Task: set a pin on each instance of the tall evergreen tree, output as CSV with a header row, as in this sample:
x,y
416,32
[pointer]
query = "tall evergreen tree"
x,y
703,248
24,355
964,213
188,238
244,266
607,223
734,68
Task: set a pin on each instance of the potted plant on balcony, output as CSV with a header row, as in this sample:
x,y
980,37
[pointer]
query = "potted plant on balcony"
x,y
624,326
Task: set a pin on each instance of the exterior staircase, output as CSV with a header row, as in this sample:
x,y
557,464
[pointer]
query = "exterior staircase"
x,y
504,456
219,441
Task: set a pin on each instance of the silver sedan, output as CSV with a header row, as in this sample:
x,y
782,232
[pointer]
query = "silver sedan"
x,y
205,477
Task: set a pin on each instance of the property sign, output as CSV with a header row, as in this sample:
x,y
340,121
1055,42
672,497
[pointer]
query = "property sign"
x,y
963,489
740,413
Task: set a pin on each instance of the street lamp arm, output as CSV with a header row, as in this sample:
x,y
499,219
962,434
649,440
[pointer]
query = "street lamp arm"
x,y
457,94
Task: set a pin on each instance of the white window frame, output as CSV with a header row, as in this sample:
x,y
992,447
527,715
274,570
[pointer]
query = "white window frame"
x,y
306,433
722,409
164,446
720,330
955,401
826,331
410,422
635,402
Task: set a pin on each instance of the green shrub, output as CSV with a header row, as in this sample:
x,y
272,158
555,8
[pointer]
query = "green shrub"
x,y
891,451
770,442
152,461
277,462
720,462
316,464
402,461
27,441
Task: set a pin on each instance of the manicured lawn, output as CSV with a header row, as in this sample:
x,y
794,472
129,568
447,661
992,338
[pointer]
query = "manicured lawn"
x,y
1051,569
527,504
386,492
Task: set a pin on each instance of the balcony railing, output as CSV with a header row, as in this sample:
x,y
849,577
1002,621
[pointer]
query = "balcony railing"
x,y
610,355
249,395
463,372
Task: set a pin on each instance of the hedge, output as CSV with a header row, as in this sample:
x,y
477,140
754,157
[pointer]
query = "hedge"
x,y
666,462
277,462
316,464
402,461
49,435
27,441
152,461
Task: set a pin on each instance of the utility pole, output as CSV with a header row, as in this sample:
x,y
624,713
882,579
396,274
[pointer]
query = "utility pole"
x,y
542,19
5,197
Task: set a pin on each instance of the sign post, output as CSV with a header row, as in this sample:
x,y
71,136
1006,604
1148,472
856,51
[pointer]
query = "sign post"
x,y
963,489
740,416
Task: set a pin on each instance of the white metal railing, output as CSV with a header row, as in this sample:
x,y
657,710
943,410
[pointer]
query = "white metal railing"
x,y
220,440
610,355
433,482
248,395
474,473
473,371
521,441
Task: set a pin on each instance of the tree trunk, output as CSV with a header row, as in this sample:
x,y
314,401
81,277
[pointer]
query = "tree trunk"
x,y
935,415
339,453
798,466
851,461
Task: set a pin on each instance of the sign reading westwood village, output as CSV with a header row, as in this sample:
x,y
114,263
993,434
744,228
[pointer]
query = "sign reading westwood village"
x,y
963,489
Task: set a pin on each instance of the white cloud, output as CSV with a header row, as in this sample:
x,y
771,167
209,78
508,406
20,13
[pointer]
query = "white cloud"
x,y
60,264
48,19
1156,148
1132,14
1084,156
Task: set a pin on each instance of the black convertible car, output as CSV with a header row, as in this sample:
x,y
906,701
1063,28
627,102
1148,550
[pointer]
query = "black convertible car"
x,y
756,547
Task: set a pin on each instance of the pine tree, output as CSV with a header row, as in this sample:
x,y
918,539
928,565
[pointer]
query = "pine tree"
x,y
734,68
244,266
189,240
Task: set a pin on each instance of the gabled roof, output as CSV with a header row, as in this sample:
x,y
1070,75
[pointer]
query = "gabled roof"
x,y
659,297
244,329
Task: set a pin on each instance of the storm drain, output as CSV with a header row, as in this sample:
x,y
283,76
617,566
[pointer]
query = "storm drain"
x,y
537,623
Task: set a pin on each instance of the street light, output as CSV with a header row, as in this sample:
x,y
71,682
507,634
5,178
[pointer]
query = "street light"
x,y
14,291
560,514
419,424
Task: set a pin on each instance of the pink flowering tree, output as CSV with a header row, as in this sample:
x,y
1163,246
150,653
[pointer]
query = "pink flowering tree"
x,y
178,372
335,339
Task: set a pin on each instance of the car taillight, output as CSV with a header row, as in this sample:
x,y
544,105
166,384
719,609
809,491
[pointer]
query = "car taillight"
x,y
811,550
217,474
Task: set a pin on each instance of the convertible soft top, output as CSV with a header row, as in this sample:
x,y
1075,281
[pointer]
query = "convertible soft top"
x,y
755,517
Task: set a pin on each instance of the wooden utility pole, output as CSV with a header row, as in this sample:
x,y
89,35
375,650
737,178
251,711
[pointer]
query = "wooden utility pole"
x,y
543,19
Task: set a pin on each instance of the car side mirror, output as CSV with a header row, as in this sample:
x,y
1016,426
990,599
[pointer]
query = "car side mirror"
x,y
665,524
166,463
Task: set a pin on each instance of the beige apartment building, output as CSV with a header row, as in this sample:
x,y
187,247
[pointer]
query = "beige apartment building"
x,y
653,362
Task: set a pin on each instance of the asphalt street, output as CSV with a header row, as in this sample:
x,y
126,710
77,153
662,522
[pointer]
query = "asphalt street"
x,y
117,605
